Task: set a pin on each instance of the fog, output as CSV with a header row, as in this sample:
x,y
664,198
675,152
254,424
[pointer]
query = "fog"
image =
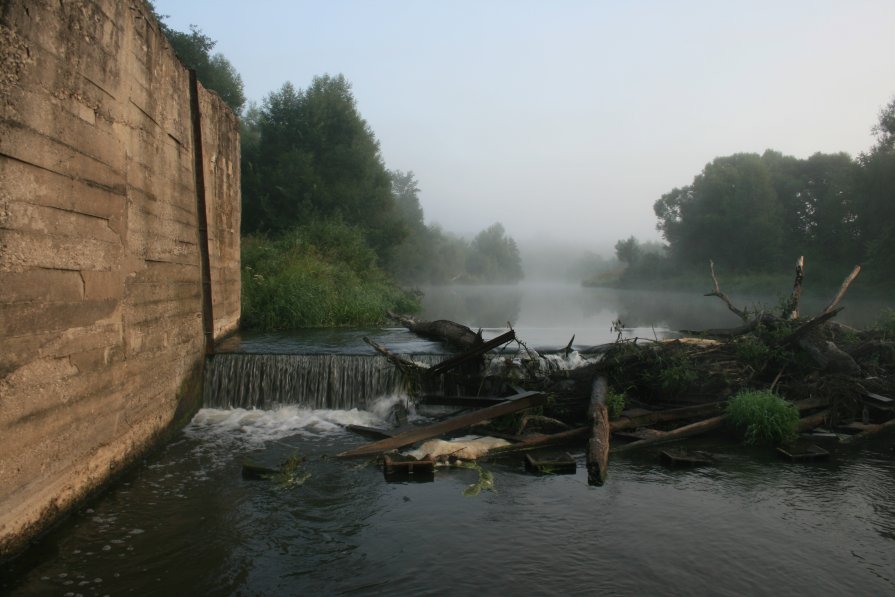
x,y
567,120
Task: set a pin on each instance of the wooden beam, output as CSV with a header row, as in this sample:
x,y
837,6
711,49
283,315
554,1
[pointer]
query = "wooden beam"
x,y
448,364
467,401
512,404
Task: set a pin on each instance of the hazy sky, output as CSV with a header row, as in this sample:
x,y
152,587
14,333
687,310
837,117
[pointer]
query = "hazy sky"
x,y
566,119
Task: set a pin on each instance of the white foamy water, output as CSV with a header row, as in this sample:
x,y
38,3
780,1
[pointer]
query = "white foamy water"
x,y
242,428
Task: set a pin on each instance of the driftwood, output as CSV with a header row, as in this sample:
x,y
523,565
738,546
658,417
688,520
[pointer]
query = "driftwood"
x,y
679,433
667,416
401,363
477,350
718,293
598,444
707,425
453,333
792,307
512,404
845,284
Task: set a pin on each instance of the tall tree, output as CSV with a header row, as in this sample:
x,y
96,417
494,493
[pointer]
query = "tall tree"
x,y
730,213
317,158
494,256
214,71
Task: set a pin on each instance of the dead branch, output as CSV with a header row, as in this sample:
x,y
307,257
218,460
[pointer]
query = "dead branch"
x,y
791,311
401,363
540,419
848,280
717,292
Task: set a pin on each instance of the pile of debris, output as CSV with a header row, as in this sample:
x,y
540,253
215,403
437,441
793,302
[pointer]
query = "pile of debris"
x,y
840,379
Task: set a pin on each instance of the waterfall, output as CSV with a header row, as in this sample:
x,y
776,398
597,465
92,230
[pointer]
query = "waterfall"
x,y
334,381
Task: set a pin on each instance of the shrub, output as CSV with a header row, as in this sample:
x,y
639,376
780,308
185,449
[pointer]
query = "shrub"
x,y
765,417
318,275
615,404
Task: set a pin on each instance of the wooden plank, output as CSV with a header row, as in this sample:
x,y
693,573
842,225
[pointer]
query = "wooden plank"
x,y
369,431
555,465
803,450
467,401
672,457
512,404
475,351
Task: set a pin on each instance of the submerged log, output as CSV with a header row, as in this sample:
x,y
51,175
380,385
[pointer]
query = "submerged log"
x,y
598,444
512,404
453,333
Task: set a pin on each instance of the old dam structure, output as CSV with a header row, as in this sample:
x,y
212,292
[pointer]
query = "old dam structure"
x,y
119,248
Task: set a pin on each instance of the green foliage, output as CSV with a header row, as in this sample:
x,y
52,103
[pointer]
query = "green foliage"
x,y
494,257
742,209
765,417
485,482
886,323
313,157
214,71
317,275
676,375
615,403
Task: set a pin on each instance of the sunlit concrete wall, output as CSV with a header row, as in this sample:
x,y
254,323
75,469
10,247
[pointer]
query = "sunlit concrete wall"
x,y
102,339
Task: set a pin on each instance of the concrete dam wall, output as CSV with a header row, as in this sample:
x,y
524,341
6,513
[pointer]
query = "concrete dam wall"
x,y
119,257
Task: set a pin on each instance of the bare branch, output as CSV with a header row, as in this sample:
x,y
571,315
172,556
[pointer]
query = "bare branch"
x,y
717,292
842,289
791,311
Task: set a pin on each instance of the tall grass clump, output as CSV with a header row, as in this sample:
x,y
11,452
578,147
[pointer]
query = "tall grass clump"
x,y
765,417
319,275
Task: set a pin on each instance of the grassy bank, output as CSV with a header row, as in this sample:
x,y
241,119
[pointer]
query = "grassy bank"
x,y
320,275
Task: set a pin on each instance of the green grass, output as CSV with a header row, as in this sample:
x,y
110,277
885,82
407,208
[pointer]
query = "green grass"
x,y
322,275
765,418
615,404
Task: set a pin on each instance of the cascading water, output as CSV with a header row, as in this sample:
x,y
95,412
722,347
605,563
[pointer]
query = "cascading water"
x,y
331,381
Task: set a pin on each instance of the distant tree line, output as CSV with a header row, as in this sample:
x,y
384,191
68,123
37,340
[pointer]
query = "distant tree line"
x,y
755,213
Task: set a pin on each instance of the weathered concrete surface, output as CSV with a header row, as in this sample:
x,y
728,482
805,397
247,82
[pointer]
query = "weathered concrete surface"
x,y
100,276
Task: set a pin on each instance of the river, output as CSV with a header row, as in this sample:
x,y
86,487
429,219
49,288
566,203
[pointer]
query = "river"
x,y
186,522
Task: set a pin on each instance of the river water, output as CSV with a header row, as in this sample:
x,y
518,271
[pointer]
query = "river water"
x,y
186,522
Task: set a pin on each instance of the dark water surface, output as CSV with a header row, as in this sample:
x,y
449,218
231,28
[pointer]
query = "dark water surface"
x,y
187,523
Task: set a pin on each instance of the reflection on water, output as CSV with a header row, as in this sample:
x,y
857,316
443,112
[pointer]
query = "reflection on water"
x,y
548,314
187,523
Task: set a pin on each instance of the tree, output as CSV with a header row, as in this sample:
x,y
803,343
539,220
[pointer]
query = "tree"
x,y
317,158
731,213
628,251
494,256
214,71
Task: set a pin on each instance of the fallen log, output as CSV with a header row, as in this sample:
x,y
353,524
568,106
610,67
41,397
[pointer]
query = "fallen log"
x,y
512,404
870,430
816,420
667,416
679,433
369,431
540,441
598,444
707,425
444,330
477,350
401,363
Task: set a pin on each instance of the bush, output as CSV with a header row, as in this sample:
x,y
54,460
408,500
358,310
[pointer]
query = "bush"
x,y
615,404
317,275
765,417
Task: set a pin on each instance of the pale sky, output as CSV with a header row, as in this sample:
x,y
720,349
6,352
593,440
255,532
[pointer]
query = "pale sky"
x,y
569,119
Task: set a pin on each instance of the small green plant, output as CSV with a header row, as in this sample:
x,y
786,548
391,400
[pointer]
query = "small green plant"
x,y
677,375
486,481
886,323
765,417
615,403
